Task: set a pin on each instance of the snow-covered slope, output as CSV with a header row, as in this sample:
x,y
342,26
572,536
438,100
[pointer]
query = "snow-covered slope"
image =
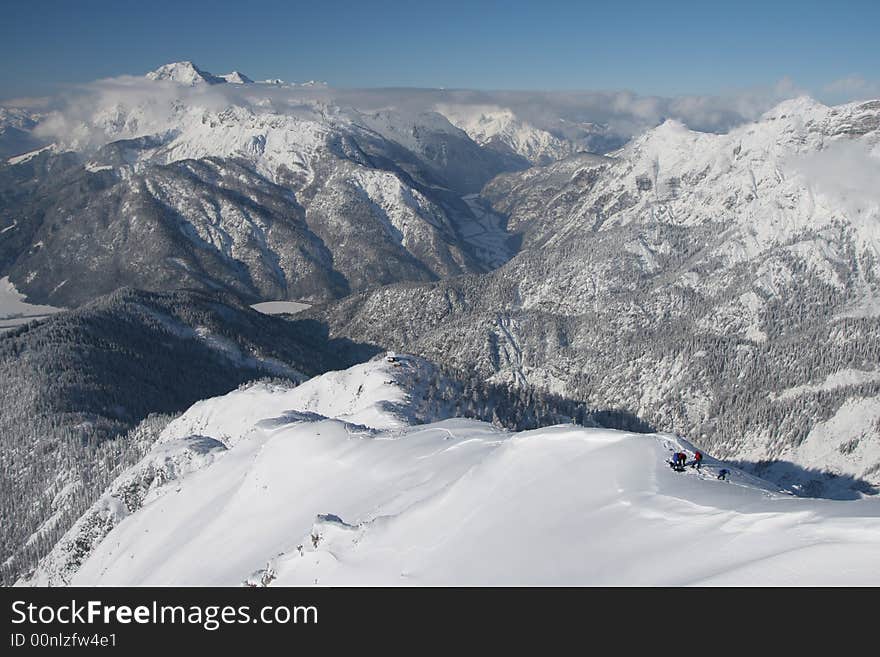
x,y
383,394
803,168
336,483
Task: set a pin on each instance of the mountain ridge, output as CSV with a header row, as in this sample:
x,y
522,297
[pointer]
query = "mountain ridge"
x,y
389,494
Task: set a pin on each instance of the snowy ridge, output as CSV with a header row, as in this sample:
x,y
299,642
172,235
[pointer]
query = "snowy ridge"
x,y
337,482
267,140
378,394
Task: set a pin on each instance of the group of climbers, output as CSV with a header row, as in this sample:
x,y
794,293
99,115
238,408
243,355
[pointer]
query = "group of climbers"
x,y
679,462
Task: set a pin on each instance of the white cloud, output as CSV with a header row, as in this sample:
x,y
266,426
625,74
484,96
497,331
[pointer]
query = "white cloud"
x,y
850,88
846,172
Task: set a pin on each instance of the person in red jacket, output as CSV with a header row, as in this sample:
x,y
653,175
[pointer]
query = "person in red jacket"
x,y
698,460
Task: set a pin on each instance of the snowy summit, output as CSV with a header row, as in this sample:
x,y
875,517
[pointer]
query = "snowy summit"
x,y
237,78
185,73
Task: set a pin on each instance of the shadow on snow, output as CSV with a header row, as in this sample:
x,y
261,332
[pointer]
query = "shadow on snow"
x,y
809,482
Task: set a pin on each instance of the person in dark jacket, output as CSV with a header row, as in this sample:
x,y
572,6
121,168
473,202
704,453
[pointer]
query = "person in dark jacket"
x,y
722,473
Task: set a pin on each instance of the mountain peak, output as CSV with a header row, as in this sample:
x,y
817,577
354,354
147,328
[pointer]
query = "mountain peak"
x,y
185,73
236,78
799,106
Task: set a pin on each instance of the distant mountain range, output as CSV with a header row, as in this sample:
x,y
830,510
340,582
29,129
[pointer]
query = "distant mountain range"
x,y
309,204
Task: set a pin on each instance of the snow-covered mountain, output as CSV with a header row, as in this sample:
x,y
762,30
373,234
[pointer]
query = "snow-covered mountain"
x,y
186,187
796,183
501,129
237,78
722,286
188,74
352,478
185,73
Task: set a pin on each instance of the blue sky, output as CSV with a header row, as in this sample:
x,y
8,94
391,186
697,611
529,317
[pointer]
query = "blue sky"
x,y
662,48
